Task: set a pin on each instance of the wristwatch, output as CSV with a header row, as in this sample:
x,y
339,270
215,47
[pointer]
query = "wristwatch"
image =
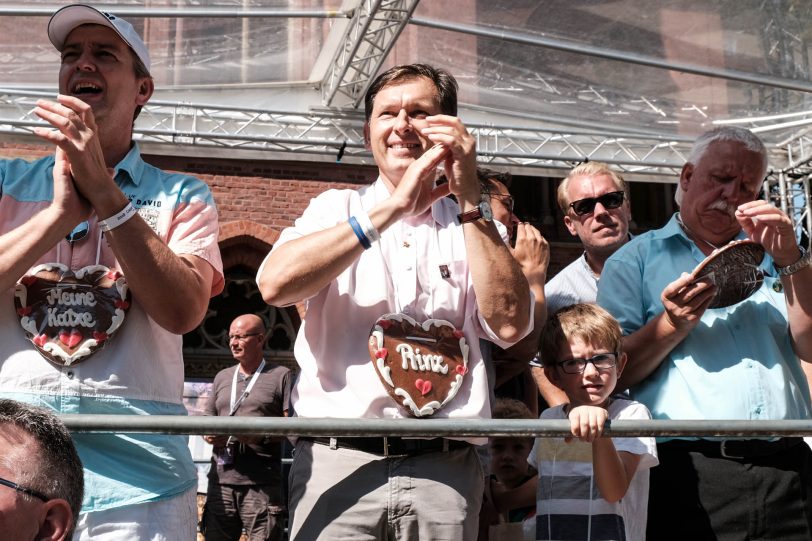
x,y
483,211
803,261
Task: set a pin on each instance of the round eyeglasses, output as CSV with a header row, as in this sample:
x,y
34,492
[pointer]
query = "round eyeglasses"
x,y
506,199
601,362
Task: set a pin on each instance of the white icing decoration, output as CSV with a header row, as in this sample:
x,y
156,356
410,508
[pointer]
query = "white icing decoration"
x,y
90,269
49,267
385,372
377,334
411,358
115,321
452,391
21,292
29,324
57,351
121,287
464,349
426,410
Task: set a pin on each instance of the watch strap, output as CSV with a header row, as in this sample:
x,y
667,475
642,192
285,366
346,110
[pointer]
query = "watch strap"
x,y
803,261
470,216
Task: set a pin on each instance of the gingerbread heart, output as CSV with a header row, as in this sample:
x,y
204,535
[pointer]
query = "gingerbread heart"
x,y
70,315
421,366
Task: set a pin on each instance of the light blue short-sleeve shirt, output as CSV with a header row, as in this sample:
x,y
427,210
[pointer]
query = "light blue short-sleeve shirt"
x,y
738,363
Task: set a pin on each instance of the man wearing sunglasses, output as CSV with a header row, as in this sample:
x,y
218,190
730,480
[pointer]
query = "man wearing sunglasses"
x,y
595,202
689,361
41,481
97,204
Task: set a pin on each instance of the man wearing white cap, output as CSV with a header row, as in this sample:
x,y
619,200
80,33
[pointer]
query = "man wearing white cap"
x,y
105,261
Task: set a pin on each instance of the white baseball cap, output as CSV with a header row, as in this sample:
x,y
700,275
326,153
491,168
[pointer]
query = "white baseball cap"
x,y
67,18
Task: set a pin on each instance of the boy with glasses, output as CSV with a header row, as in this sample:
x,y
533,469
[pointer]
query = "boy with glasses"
x,y
597,487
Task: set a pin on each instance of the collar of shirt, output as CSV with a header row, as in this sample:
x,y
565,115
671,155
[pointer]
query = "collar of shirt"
x,y
132,166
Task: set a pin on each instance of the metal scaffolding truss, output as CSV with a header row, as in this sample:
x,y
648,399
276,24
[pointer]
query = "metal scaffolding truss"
x,y
361,37
370,34
789,190
330,133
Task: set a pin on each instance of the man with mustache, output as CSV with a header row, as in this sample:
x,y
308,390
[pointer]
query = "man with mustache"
x,y
688,361
97,204
397,246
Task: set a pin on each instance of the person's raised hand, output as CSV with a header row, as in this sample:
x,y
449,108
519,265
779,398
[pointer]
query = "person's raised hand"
x,y
532,251
685,300
76,133
769,226
416,190
67,202
460,162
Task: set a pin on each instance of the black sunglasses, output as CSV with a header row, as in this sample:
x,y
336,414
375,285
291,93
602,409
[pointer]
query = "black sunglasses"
x,y
24,490
611,200
79,232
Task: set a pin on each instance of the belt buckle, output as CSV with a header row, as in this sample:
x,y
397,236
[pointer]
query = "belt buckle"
x,y
725,454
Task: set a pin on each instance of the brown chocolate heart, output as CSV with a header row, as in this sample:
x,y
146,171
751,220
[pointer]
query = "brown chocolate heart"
x,y
421,366
69,315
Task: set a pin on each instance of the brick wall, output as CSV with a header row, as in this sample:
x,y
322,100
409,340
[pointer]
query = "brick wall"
x,y
259,199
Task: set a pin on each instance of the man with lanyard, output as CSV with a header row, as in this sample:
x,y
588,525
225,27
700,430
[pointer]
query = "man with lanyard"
x,y
245,479
113,261
689,361
396,252
594,200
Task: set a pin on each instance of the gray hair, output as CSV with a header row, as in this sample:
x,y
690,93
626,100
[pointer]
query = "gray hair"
x,y
748,139
59,472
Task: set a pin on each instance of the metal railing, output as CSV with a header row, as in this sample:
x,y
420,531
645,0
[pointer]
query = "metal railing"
x,y
281,426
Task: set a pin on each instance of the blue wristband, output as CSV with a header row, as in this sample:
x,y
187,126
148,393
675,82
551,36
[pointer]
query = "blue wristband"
x,y
356,227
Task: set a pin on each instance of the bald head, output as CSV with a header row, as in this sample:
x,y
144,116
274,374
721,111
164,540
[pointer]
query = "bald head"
x,y
246,337
250,321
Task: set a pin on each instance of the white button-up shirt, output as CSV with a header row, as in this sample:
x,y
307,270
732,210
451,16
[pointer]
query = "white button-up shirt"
x,y
400,273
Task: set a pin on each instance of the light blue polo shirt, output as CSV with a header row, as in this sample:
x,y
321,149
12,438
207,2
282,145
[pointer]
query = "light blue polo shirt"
x,y
738,363
139,371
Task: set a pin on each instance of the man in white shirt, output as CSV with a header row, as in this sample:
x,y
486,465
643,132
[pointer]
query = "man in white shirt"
x,y
398,246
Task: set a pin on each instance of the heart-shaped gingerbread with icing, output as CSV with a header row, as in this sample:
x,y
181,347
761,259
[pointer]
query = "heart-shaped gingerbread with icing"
x,y
421,366
70,315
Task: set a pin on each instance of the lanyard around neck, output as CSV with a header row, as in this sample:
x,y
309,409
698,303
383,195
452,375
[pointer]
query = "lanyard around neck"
x,y
235,402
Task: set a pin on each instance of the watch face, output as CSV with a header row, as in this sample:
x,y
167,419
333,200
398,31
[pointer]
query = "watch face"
x,y
485,210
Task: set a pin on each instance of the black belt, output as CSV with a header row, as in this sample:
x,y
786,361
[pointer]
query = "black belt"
x,y
735,449
392,446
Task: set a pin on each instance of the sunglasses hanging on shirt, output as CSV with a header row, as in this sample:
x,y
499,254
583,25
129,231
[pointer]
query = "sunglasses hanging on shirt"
x,y
79,232
610,200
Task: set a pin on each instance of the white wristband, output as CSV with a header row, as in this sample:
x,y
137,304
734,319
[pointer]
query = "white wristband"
x,y
118,218
366,225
